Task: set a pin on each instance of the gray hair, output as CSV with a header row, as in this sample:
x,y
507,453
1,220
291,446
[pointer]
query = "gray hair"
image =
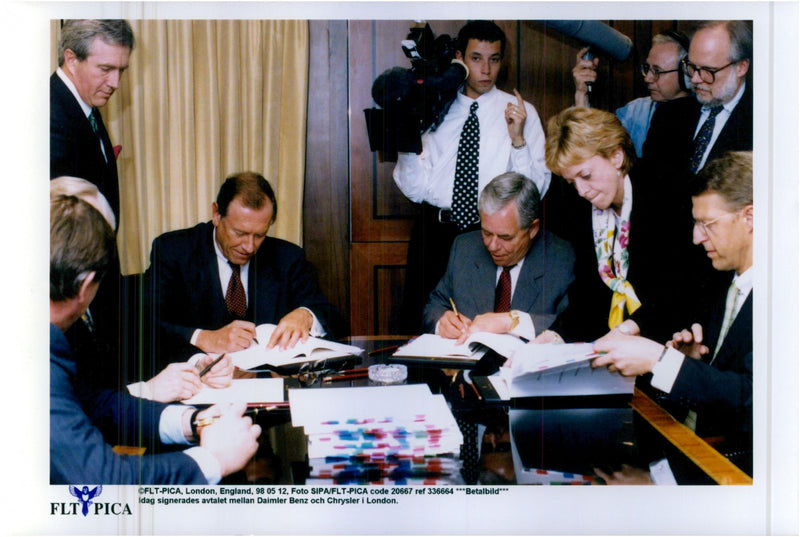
x,y
511,187
740,34
79,34
730,176
85,190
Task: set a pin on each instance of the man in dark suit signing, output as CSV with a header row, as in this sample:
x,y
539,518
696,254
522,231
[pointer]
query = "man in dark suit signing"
x,y
93,54
708,368
506,278
84,422
213,283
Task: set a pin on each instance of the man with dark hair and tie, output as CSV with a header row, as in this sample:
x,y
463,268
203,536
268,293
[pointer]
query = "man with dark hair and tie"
x,y
508,277
708,369
213,283
688,133
486,132
92,55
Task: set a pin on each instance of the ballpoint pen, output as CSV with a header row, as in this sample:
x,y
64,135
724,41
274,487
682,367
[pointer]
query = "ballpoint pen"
x,y
207,368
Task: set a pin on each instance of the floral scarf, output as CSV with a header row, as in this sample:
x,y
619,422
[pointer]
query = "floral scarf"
x,y
612,255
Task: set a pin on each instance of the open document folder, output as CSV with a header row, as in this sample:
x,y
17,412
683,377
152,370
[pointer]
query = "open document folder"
x,y
312,350
553,369
437,347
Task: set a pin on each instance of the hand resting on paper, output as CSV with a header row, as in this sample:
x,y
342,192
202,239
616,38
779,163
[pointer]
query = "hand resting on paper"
x,y
630,355
496,323
295,326
230,338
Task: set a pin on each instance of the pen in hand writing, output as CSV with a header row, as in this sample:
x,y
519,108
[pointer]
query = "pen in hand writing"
x,y
207,368
453,304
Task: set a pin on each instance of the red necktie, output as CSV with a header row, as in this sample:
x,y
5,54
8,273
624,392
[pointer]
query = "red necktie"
x,y
235,299
502,294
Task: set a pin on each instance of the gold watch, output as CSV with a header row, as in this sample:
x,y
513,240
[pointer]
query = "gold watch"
x,y
514,314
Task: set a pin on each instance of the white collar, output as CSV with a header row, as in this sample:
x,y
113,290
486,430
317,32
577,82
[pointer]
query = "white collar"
x,y
87,110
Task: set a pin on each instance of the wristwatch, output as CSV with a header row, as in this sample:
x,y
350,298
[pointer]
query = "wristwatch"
x,y
514,314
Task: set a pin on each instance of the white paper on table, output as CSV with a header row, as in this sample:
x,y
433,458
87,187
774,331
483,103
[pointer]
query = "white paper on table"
x,y
435,346
241,390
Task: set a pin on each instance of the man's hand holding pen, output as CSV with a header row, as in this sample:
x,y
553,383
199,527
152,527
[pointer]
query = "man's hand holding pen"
x,y
454,326
235,336
229,435
215,372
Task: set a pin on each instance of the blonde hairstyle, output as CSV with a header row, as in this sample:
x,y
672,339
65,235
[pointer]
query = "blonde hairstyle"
x,y
85,190
578,134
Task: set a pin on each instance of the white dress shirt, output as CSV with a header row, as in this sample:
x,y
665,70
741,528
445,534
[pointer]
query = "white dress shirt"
x,y
429,176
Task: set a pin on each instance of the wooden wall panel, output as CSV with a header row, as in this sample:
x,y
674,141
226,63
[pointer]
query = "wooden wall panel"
x,y
375,280
326,207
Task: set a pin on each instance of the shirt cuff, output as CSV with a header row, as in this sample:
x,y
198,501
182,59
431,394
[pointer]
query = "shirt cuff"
x,y
524,328
665,371
207,462
140,390
661,473
317,330
170,425
195,335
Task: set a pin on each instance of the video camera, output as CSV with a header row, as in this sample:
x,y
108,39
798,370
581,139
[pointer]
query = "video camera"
x,y
417,99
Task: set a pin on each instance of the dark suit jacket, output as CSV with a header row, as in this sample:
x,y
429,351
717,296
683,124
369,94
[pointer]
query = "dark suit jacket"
x,y
721,393
75,148
185,287
470,280
666,270
670,140
79,452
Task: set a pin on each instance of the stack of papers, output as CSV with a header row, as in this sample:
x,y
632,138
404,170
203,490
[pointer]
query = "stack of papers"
x,y
398,434
312,350
553,369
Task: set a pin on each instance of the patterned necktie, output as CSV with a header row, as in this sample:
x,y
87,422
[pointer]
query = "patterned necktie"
x,y
702,139
502,294
731,304
93,121
465,188
235,299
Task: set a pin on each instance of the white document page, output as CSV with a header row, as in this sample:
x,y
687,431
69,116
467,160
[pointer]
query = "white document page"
x,y
246,390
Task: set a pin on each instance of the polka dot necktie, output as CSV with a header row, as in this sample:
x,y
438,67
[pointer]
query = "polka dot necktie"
x,y
465,188
235,299
502,293
702,139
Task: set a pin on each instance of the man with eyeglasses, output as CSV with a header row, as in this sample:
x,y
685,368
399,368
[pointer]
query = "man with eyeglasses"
x,y
707,370
662,74
689,134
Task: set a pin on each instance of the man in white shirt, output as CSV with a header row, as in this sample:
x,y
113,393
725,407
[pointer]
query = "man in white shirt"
x,y
708,368
510,138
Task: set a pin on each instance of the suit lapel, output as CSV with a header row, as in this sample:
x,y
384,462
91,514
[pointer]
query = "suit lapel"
x,y
208,278
484,281
526,291
742,324
262,282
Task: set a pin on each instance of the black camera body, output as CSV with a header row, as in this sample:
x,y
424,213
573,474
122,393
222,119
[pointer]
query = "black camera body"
x,y
416,99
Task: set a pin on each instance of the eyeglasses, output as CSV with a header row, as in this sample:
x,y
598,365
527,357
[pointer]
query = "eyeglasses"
x,y
707,74
657,72
706,226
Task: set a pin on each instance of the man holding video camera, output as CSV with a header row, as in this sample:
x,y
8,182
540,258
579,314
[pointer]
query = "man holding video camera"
x,y
486,132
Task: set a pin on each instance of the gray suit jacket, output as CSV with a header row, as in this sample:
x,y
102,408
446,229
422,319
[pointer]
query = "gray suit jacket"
x,y
470,280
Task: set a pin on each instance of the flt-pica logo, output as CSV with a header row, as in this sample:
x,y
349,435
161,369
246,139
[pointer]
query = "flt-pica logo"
x,y
84,506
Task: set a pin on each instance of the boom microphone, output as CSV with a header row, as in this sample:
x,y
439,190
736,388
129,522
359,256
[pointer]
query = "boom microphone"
x,y
599,35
